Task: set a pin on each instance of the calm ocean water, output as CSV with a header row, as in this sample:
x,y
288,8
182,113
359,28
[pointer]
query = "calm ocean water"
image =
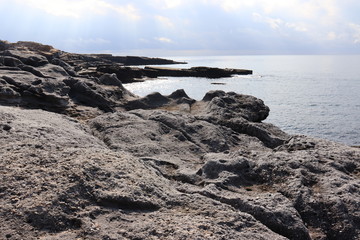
x,y
312,95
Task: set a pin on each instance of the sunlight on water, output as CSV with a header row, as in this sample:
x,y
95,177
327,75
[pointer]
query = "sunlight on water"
x,y
312,95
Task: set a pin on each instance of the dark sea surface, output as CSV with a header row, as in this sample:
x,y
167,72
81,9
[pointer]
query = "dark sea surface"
x,y
316,95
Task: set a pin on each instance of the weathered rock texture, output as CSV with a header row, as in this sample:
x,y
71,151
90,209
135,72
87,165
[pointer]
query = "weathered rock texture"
x,y
83,158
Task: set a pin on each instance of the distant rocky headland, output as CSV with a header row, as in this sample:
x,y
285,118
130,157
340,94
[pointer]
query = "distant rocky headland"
x,y
81,157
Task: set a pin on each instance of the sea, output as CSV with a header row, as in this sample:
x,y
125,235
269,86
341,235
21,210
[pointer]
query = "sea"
x,y
315,95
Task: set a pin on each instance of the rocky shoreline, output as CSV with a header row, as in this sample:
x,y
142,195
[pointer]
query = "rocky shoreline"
x,y
83,158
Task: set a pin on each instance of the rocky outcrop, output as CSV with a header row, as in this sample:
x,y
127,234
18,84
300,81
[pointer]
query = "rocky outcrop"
x,y
33,78
59,181
126,74
29,56
166,174
83,158
205,72
109,58
135,60
39,76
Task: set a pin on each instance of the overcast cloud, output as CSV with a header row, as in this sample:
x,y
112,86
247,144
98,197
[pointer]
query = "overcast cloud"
x,y
182,27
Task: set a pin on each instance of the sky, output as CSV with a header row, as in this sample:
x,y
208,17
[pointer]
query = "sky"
x,y
186,27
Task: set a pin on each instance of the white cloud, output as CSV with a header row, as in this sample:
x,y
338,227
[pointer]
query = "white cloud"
x,y
165,21
232,5
299,27
164,40
79,8
355,28
92,41
315,18
332,36
167,4
257,17
144,40
307,9
280,25
128,10
199,24
274,23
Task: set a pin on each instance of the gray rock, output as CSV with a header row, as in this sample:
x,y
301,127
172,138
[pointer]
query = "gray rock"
x,y
23,90
110,79
241,113
306,188
10,61
231,105
60,181
205,72
30,81
32,70
69,69
278,188
27,57
157,167
8,93
135,60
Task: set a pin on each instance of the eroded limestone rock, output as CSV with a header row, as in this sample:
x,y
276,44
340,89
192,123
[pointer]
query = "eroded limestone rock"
x,y
59,181
95,161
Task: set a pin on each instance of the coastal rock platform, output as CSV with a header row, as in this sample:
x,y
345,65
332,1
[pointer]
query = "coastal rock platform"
x,y
206,72
83,158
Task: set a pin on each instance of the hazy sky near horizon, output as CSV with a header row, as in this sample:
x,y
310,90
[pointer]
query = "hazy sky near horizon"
x,y
186,27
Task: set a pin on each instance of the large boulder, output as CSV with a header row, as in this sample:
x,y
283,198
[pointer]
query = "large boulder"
x,y
125,74
232,105
110,79
241,113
